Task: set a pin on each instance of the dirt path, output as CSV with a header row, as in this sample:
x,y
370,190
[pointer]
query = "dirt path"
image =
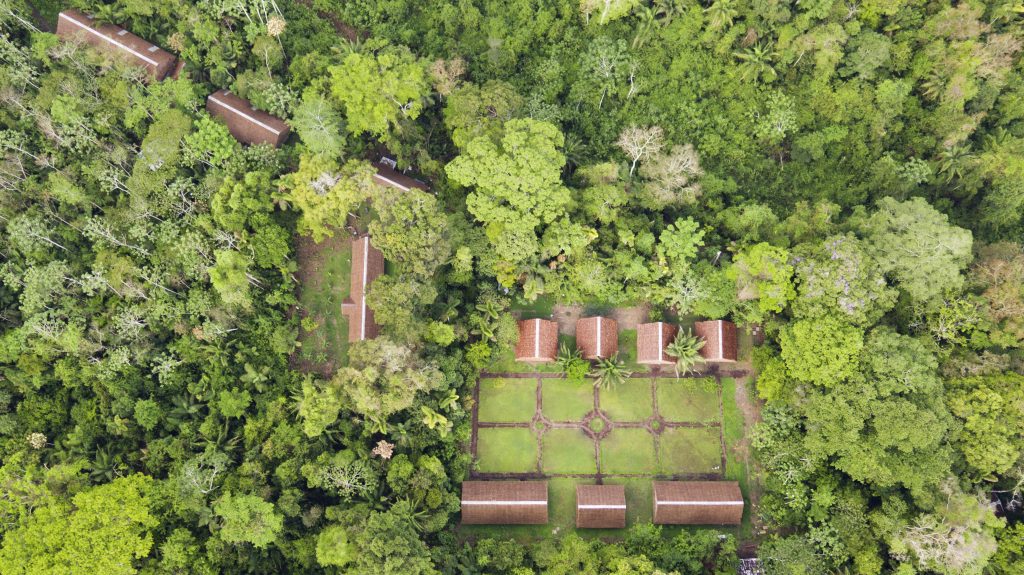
x,y
750,407
567,315
348,32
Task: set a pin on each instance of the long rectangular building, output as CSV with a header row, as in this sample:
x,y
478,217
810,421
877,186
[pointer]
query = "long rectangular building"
x,y
698,503
74,24
367,265
388,176
504,502
247,124
600,506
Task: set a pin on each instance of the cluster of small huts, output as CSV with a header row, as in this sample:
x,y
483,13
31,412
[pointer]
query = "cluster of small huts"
x,y
598,337
249,126
602,506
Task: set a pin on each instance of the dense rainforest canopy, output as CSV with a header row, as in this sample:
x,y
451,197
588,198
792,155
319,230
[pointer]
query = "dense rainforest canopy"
x,y
847,175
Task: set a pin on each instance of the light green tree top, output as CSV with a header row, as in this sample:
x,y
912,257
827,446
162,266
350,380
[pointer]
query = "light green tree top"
x,y
379,89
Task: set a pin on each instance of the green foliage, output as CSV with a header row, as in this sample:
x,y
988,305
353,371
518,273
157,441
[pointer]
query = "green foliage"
x,y
248,519
821,351
686,349
610,372
763,273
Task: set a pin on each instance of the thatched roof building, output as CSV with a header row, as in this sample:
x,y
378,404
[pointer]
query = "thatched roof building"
x,y
247,124
538,341
504,502
651,341
720,340
388,176
597,337
367,265
698,503
600,506
74,24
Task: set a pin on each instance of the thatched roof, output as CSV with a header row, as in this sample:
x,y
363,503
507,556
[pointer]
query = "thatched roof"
x,y
367,265
698,503
651,341
504,502
597,337
75,24
247,124
721,342
600,506
538,341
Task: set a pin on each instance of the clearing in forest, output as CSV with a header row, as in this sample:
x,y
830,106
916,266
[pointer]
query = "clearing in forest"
x,y
323,273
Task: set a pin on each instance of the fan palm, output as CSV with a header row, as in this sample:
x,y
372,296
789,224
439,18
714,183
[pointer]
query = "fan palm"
x,y
610,372
686,349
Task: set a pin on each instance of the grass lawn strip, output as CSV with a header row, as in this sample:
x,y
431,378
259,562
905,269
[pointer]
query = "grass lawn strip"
x,y
568,451
627,450
628,401
688,400
566,401
691,450
507,400
506,450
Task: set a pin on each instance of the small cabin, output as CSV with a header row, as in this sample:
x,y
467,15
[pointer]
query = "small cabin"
x,y
367,265
698,503
76,25
651,341
387,175
597,337
600,506
247,124
504,502
538,341
720,340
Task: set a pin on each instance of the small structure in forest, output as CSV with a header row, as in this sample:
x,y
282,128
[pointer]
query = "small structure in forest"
x,y
538,341
597,337
651,341
74,24
698,503
247,124
600,506
504,502
367,265
720,340
387,175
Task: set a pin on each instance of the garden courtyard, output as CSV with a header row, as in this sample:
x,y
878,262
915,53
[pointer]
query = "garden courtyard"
x,y
652,426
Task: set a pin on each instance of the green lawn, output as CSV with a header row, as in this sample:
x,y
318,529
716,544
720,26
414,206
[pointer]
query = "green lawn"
x,y
506,450
628,451
321,296
507,400
568,451
735,449
566,401
628,401
687,399
690,450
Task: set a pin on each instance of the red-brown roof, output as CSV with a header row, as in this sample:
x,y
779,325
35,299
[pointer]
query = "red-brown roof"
x,y
76,24
367,265
597,337
651,341
698,503
247,124
538,341
388,176
504,502
720,340
600,506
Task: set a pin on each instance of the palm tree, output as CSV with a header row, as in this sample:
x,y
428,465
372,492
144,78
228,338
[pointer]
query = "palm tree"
x,y
720,14
686,349
757,60
610,372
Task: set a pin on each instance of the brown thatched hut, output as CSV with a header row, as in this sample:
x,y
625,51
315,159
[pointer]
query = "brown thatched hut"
x,y
651,341
600,506
504,502
698,503
597,337
388,176
367,265
247,124
720,340
74,24
538,341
